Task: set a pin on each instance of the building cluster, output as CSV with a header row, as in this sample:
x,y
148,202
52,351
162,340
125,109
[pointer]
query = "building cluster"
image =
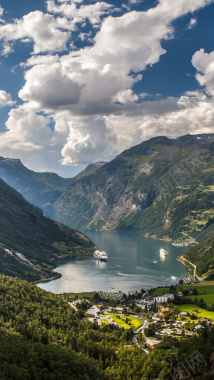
x,y
149,301
118,296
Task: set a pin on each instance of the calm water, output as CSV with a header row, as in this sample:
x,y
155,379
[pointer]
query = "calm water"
x,y
134,263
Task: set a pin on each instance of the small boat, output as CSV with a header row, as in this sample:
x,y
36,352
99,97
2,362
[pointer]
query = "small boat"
x,y
100,255
163,252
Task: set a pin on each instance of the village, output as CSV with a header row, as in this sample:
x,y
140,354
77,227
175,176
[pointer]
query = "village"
x,y
151,314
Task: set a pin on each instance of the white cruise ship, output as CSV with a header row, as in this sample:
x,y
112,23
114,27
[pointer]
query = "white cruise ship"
x,y
163,252
100,255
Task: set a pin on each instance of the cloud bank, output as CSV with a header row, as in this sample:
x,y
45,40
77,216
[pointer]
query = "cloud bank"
x,y
80,102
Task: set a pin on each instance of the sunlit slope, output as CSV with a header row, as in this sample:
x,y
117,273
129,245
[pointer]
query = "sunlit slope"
x,y
162,187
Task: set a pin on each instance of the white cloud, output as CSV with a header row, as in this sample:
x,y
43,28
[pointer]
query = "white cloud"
x,y
125,96
1,11
43,29
92,12
192,23
88,138
5,99
6,49
49,89
204,64
80,88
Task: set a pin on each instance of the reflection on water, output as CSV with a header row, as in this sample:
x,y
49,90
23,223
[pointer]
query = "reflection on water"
x,y
134,262
101,264
163,258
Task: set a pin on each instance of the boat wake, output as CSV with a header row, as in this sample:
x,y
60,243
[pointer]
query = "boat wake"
x,y
172,278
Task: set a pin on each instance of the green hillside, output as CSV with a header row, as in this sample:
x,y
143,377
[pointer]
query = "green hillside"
x,y
43,338
91,168
40,189
29,241
162,187
202,256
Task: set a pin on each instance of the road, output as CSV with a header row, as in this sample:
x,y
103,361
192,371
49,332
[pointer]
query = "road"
x,y
194,273
134,338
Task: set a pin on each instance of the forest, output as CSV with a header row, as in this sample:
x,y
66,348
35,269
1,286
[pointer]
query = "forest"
x,y
42,337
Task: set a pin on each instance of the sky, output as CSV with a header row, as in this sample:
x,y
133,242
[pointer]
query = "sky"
x,y
81,81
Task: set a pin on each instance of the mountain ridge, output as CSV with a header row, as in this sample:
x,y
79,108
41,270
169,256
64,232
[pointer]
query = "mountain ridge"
x,y
40,189
146,189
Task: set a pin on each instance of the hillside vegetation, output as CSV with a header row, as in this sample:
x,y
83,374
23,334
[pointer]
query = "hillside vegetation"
x,y
162,187
202,256
42,337
29,241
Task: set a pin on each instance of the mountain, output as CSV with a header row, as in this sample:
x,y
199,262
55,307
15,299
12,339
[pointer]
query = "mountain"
x,y
202,255
162,188
29,241
40,189
91,168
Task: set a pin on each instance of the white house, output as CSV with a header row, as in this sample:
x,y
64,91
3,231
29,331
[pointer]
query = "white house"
x,y
164,298
93,312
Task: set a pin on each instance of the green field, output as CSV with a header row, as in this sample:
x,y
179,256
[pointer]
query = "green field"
x,y
134,322
205,291
208,298
201,312
202,287
161,291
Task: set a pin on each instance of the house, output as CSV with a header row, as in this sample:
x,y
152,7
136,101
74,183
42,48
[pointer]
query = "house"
x,y
151,343
119,310
199,327
93,312
164,298
183,314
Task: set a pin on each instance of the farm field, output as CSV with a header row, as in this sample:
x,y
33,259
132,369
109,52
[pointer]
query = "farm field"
x,y
161,291
201,312
120,320
208,298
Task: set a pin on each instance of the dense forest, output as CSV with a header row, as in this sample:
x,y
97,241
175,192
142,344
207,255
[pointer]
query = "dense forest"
x,y
42,337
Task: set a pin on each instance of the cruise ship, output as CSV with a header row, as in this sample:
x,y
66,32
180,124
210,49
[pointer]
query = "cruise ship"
x,y
163,252
100,255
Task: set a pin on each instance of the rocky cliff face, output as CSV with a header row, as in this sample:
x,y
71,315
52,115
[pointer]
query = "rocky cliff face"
x,y
162,186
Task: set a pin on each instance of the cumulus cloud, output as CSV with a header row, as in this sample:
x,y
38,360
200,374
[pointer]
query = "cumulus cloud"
x,y
25,130
204,64
5,99
49,89
43,29
89,92
92,12
125,96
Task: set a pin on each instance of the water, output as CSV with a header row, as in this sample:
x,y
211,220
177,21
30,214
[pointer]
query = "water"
x,y
134,263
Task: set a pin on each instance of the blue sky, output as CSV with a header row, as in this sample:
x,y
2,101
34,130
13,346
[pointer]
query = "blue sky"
x,y
82,81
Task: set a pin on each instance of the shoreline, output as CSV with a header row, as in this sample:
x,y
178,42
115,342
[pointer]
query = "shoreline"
x,y
59,275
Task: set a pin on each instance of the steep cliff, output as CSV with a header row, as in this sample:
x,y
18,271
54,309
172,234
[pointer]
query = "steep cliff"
x,y
162,187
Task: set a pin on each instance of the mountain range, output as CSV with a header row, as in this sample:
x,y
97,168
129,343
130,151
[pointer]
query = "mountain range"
x,y
162,188
41,189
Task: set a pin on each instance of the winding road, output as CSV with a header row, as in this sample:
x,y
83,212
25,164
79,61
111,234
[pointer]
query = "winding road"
x,y
194,273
